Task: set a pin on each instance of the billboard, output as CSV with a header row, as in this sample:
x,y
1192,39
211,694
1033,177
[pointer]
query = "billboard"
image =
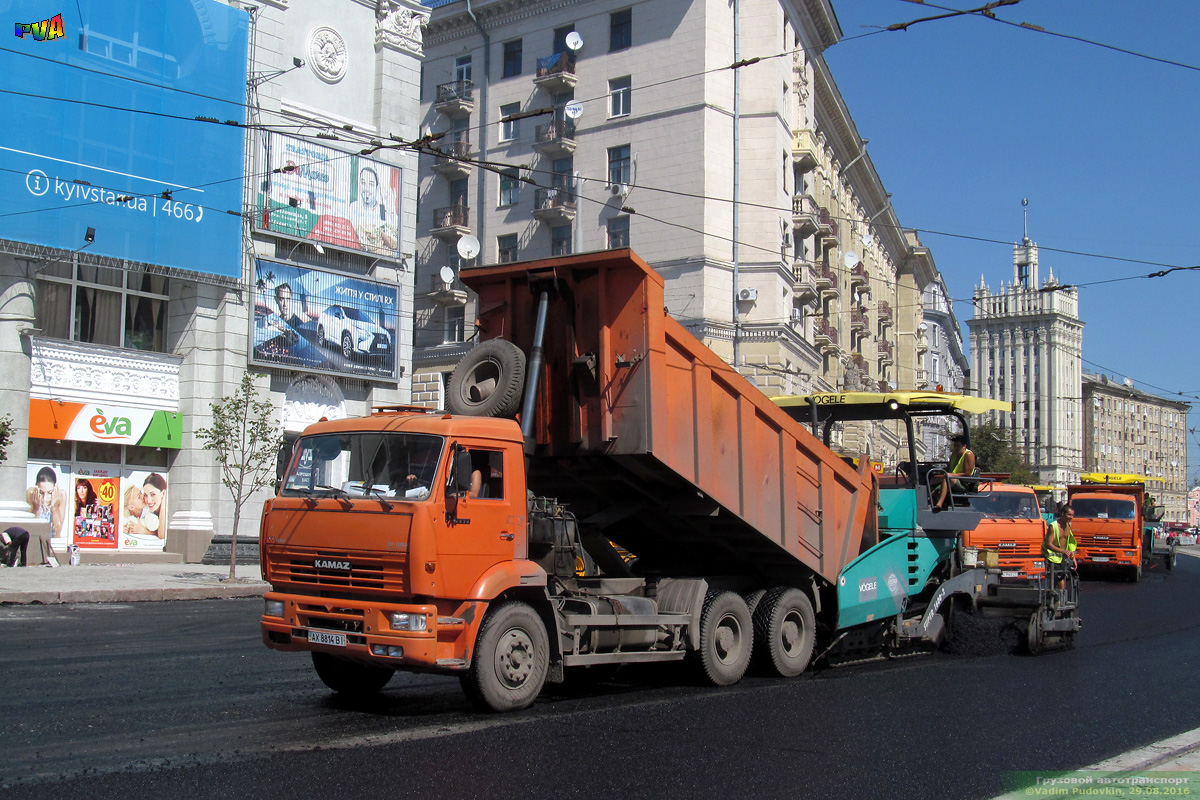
x,y
324,195
318,321
106,129
104,422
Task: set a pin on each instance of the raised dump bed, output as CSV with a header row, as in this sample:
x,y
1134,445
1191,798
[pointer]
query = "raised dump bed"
x,y
657,443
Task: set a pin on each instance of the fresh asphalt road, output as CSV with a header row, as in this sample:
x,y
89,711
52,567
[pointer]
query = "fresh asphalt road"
x,y
181,700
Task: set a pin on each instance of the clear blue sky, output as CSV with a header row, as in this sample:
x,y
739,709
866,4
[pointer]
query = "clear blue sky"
x,y
967,116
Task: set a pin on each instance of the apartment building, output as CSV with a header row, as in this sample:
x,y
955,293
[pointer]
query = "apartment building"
x,y
1027,348
941,358
1127,430
564,127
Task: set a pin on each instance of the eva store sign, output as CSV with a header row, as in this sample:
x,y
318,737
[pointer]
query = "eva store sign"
x,y
91,422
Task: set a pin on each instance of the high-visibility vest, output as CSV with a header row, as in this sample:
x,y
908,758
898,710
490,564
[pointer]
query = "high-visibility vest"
x,y
1056,532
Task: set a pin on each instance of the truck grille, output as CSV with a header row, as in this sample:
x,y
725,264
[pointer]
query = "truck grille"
x,y
327,569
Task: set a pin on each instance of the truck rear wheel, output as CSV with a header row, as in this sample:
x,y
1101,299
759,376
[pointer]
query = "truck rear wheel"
x,y
488,381
726,638
512,656
350,677
784,631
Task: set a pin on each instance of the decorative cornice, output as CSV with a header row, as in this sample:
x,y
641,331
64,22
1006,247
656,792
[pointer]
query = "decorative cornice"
x,y
456,24
400,26
87,373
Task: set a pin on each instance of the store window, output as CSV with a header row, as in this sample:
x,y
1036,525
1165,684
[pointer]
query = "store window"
x,y
100,305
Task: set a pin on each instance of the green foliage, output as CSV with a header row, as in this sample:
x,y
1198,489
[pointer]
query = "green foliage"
x,y
6,434
997,453
244,440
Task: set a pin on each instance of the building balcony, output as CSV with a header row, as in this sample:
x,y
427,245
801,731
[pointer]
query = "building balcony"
x,y
447,293
804,149
556,138
556,73
804,286
884,311
451,222
554,206
455,99
887,353
452,163
804,215
859,277
922,377
858,322
828,230
827,281
861,364
825,336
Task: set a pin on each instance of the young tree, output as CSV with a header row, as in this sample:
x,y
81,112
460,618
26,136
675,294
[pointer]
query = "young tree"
x,y
245,440
996,453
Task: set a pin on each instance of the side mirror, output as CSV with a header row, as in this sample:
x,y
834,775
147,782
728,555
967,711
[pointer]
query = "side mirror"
x,y
462,471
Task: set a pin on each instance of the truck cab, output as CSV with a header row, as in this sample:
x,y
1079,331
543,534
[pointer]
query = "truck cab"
x,y
1109,523
1012,526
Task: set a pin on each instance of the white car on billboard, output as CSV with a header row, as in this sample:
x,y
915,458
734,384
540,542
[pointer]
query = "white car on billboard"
x,y
353,331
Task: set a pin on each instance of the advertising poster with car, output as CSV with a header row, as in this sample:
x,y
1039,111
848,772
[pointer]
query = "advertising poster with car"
x,y
320,321
49,496
95,494
329,196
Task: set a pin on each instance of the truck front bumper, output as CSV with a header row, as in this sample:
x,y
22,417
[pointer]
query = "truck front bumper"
x,y
362,630
1111,556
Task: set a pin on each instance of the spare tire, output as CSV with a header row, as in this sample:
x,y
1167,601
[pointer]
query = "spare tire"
x,y
488,381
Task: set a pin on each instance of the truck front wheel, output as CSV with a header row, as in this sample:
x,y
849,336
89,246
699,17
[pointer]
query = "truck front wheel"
x,y
350,677
512,656
784,631
726,638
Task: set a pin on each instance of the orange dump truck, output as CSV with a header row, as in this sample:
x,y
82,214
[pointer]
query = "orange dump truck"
x,y
1109,523
447,542
1012,526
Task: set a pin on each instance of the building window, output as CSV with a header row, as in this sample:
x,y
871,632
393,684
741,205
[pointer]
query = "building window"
x,y
462,68
509,188
506,248
562,171
456,324
99,305
560,240
560,39
619,171
618,232
619,93
512,58
510,129
620,30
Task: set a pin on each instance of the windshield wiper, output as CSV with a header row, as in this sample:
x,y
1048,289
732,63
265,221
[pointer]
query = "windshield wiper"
x,y
372,491
335,491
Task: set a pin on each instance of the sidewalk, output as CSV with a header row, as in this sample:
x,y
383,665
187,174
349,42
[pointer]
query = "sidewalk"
x,y
118,583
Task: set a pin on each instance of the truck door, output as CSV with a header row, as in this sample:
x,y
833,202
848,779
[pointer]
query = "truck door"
x,y
485,525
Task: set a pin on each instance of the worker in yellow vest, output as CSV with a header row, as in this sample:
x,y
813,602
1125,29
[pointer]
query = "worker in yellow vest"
x,y
1059,544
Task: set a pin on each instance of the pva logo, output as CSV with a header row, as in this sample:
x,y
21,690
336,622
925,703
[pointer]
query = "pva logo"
x,y
106,428
47,29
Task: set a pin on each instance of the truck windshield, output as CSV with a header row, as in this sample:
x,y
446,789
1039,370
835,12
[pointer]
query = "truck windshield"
x,y
1103,508
1005,504
390,465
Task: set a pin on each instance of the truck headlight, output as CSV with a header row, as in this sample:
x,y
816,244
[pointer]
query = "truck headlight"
x,y
273,608
401,621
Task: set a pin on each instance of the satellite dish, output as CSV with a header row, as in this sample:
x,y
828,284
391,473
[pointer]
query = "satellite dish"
x,y
850,259
573,109
574,41
447,274
468,247
867,240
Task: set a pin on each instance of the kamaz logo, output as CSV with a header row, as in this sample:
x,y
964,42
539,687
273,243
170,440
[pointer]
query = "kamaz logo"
x,y
1007,544
328,563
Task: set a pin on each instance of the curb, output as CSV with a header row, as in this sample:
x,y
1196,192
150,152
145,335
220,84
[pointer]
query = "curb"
x,y
132,595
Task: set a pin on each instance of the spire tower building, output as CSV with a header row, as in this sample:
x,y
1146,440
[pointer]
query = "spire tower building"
x,y
1027,348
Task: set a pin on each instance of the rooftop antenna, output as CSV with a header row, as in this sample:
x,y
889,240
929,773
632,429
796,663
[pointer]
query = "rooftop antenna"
x,y
1025,212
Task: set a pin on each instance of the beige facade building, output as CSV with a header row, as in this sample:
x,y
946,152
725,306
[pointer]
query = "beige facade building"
x,y
1129,431
1027,348
750,190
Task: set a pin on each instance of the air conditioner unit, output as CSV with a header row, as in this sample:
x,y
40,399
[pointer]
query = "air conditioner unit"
x,y
747,294
619,189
